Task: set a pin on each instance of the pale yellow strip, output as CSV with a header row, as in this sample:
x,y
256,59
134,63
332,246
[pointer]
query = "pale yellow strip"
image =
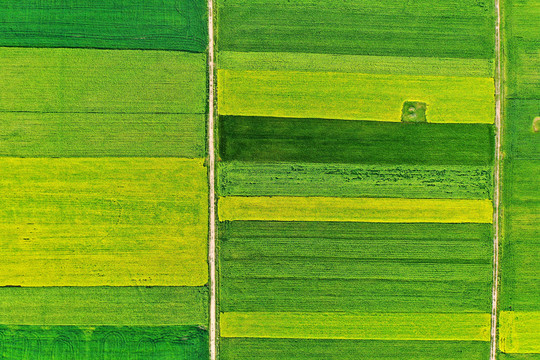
x,y
353,96
368,326
389,210
519,332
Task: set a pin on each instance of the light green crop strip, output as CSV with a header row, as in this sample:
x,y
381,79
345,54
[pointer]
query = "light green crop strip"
x,y
102,81
395,65
368,326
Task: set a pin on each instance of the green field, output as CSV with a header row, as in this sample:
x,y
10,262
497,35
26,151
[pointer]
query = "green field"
x,y
363,64
246,178
265,139
76,81
345,233
519,304
103,342
319,349
454,28
92,306
104,207
383,210
119,24
350,325
373,252
35,134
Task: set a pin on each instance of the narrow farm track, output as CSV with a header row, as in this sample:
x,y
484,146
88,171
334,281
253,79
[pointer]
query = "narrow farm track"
x,y
211,189
497,179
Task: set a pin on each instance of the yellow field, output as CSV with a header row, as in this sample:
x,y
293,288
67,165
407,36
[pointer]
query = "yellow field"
x,y
353,96
103,221
519,332
389,210
373,326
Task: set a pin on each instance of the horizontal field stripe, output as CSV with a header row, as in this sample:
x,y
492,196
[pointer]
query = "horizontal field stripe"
x,y
102,81
346,266
302,267
280,208
324,349
353,180
307,292
266,139
364,64
103,221
503,356
519,332
333,95
368,326
349,240
92,306
454,28
104,342
479,233
74,135
121,24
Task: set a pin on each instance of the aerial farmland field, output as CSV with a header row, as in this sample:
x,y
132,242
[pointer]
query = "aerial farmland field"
x,y
104,207
270,180
356,144
519,306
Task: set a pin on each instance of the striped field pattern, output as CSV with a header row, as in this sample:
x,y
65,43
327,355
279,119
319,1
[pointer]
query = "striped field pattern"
x,y
375,166
347,232
519,305
104,207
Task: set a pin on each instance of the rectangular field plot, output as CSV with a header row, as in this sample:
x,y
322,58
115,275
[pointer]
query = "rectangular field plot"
x,y
355,179
418,28
109,221
104,24
519,305
104,342
104,206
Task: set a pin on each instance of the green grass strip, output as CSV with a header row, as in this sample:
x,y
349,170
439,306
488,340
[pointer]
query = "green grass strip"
x,y
351,180
289,140
99,135
362,326
319,349
119,24
103,342
415,291
364,64
418,28
102,81
92,306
